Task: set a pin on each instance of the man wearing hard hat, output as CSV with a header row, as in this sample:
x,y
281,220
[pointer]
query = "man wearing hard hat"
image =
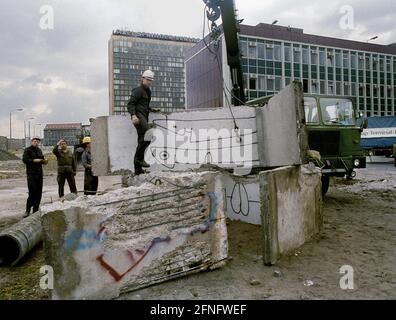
x,y
90,181
139,108
34,159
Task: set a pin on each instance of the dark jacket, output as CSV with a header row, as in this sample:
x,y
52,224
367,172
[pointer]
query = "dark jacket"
x,y
29,155
66,161
139,101
86,160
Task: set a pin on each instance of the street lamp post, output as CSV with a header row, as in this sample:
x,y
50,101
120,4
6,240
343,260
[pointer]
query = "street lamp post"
x,y
39,134
19,109
24,128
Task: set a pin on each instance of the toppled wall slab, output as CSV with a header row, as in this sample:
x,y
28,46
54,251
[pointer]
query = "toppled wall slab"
x,y
269,136
131,238
291,209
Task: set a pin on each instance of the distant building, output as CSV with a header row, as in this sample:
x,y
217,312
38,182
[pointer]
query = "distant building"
x,y
71,132
273,56
130,53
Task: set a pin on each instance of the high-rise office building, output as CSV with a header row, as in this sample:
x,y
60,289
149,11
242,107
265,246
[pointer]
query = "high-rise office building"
x,y
273,56
130,53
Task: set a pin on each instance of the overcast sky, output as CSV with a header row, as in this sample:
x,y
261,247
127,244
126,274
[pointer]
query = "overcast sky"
x,y
60,75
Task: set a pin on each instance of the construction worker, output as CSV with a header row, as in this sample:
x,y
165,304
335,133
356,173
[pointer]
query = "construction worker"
x,y
67,168
139,108
34,159
90,181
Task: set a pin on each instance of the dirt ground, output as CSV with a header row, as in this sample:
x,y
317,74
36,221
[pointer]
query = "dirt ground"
x,y
359,230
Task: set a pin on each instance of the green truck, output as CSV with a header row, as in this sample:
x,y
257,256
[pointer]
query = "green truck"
x,y
333,131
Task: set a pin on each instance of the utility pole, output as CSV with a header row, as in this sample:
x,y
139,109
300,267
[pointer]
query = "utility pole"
x,y
9,142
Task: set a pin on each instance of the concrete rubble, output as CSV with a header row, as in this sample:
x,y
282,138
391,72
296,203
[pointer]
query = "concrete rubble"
x,y
157,230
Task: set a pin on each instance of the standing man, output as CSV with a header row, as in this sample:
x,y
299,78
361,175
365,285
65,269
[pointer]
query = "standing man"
x,y
90,181
33,158
139,108
67,168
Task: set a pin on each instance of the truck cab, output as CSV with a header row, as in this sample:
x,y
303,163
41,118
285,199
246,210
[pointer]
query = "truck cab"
x,y
333,131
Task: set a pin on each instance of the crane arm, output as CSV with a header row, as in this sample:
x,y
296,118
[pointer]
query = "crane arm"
x,y
226,9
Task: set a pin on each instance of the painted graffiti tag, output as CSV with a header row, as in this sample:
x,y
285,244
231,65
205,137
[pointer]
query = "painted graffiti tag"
x,y
136,256
84,239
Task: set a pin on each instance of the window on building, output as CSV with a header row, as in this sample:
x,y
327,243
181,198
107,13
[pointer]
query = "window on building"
x,y
330,88
388,65
338,88
345,60
322,58
338,60
361,62
375,63
252,50
287,50
322,87
278,83
270,84
367,62
244,50
314,56
261,50
389,92
346,89
381,65
252,83
305,57
305,85
269,52
261,83
314,86
277,52
361,91
329,60
297,55
353,89
353,61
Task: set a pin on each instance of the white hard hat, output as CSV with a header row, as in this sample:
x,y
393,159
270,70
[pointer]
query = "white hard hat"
x,y
35,138
148,74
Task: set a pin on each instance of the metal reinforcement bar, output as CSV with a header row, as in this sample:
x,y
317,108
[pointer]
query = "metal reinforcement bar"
x,y
17,240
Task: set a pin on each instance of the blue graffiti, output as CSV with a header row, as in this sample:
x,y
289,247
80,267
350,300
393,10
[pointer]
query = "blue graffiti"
x,y
83,239
212,215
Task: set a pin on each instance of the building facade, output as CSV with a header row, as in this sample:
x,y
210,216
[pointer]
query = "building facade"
x,y
273,56
130,53
71,132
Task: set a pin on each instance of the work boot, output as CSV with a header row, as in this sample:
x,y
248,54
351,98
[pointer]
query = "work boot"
x,y
141,171
143,164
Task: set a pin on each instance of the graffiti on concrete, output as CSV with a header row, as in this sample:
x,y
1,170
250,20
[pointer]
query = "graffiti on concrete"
x,y
85,239
136,256
213,210
239,199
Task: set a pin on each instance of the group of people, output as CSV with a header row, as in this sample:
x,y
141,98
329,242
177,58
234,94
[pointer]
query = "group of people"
x,y
67,168
138,107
